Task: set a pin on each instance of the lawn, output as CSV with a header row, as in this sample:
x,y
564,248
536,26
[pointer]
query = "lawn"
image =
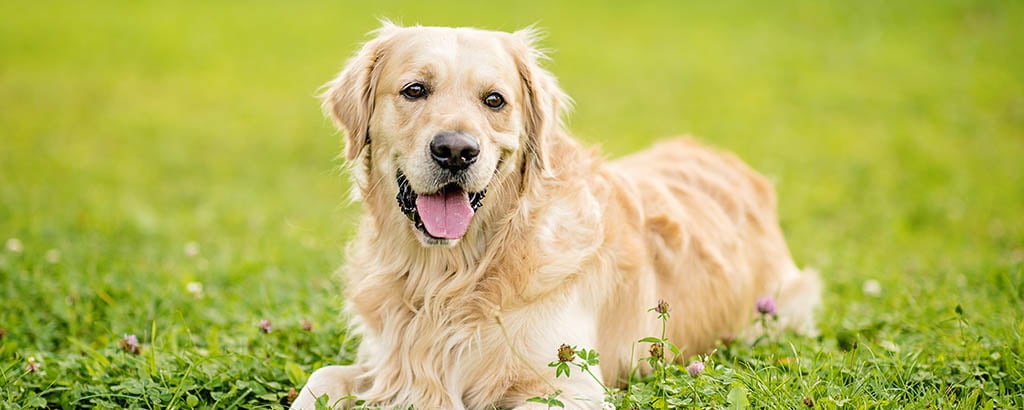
x,y
165,172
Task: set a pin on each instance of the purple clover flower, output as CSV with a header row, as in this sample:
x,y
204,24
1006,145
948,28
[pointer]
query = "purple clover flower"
x,y
766,305
265,325
662,307
32,365
130,344
695,369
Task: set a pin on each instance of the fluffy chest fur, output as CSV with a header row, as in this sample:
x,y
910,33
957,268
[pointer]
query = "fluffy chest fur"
x,y
451,327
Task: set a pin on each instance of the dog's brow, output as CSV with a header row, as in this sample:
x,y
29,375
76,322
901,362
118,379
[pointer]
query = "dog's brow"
x,y
423,73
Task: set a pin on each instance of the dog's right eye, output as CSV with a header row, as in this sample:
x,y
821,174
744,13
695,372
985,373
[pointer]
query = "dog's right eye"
x,y
414,91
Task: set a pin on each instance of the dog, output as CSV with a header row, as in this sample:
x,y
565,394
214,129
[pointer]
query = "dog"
x,y
491,237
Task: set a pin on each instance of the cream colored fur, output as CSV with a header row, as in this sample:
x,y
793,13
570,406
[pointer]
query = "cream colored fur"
x,y
567,248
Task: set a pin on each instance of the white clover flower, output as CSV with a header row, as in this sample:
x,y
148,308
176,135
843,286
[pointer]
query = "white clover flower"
x,y
890,346
14,245
195,288
52,256
872,288
192,249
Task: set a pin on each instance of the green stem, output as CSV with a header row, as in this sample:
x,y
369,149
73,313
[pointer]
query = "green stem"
x,y
661,361
586,369
764,331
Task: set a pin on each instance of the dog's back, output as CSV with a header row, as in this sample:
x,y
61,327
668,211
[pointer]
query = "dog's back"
x,y
713,242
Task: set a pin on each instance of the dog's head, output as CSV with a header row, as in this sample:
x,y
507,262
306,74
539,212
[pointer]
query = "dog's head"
x,y
434,117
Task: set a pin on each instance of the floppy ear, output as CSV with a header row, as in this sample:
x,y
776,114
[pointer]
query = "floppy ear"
x,y
545,104
348,99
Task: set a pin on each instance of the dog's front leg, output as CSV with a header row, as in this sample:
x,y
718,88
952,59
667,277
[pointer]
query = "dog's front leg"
x,y
577,392
336,382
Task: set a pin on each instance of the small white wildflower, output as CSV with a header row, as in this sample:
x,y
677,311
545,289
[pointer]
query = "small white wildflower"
x,y
607,406
872,288
52,256
890,346
191,249
195,288
14,245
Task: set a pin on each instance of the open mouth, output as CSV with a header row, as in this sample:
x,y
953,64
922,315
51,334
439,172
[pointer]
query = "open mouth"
x,y
444,214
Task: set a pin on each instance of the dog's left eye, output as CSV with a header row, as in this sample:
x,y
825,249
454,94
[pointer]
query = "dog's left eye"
x,y
494,100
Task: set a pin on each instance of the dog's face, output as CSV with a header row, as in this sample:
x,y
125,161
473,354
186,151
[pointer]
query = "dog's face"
x,y
438,115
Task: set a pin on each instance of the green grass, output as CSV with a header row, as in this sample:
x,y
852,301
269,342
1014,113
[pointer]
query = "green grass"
x,y
894,131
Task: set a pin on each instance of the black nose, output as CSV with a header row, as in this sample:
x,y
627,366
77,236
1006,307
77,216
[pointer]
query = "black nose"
x,y
454,151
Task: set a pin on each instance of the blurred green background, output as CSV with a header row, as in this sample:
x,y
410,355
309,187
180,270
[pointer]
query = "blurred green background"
x,y
130,131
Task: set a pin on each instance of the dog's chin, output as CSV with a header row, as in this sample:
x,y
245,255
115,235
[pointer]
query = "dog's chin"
x,y
449,211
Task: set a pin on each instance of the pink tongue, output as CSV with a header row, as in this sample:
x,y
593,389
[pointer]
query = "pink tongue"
x,y
445,214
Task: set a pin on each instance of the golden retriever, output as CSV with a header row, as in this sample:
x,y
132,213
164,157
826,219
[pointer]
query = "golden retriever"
x,y
491,237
